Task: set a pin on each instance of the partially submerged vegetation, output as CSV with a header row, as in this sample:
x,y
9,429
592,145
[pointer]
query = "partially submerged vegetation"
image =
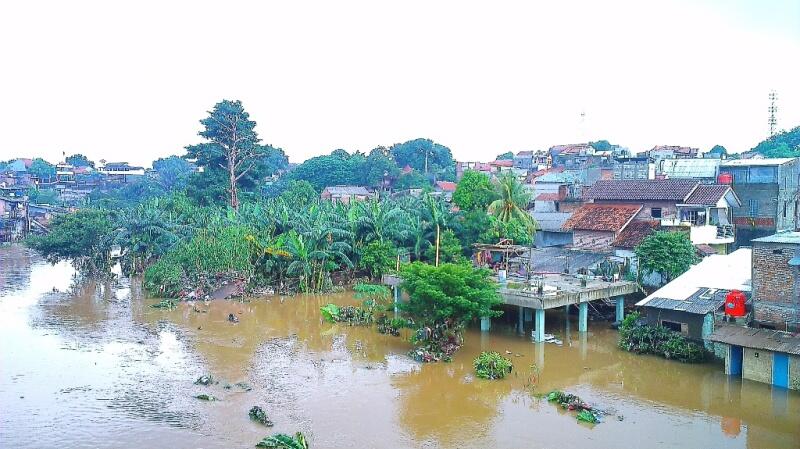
x,y
258,414
283,441
492,365
644,339
571,402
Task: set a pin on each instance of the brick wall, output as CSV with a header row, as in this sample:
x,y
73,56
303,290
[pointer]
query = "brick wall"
x,y
794,372
775,284
757,365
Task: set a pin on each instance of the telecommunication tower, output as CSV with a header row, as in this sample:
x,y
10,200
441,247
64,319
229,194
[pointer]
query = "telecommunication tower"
x,y
773,109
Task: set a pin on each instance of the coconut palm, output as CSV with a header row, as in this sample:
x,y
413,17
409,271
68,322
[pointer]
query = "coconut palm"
x,y
513,201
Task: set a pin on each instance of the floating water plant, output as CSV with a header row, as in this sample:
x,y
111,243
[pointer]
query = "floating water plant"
x,y
283,441
258,414
491,365
571,402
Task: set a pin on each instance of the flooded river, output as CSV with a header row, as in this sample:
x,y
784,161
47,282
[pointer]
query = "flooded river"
x,y
93,366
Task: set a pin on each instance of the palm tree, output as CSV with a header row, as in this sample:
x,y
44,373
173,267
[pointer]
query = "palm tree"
x,y
513,202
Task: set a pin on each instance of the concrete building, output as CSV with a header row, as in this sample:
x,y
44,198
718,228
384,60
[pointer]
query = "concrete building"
x,y
776,281
767,189
346,194
121,171
659,152
632,168
689,303
703,170
595,227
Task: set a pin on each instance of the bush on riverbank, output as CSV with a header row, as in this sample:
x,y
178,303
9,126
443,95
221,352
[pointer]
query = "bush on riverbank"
x,y
196,268
491,365
645,339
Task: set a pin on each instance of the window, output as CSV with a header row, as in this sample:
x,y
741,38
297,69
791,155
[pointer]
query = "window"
x,y
655,212
762,175
683,328
753,208
784,209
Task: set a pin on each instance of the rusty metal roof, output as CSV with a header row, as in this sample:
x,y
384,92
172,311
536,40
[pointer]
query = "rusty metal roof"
x,y
767,339
642,190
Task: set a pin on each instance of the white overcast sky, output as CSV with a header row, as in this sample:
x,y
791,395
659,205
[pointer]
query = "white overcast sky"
x,y
130,80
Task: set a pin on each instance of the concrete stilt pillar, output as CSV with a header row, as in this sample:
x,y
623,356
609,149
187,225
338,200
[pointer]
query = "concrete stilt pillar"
x,y
528,314
486,324
583,317
538,335
396,297
521,320
620,308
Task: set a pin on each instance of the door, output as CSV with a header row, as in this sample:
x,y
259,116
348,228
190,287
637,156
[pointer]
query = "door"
x,y
735,362
780,370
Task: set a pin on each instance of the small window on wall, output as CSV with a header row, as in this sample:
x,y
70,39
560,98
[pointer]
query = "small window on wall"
x,y
675,326
655,212
753,208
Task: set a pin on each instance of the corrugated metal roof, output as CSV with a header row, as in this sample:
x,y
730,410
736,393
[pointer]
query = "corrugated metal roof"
x,y
564,177
781,237
749,162
690,168
768,339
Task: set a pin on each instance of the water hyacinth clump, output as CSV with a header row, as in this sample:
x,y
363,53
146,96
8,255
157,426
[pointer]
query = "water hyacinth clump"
x,y
283,441
491,365
259,415
571,402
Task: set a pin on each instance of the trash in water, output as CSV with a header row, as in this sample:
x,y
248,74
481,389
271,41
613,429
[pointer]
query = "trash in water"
x,y
258,414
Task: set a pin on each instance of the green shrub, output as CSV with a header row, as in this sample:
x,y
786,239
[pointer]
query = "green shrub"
x,y
491,365
644,339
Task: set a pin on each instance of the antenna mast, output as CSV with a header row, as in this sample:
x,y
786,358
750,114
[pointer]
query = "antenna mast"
x,y
773,109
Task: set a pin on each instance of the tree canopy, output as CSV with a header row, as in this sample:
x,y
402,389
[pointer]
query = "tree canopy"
x,y
783,144
42,169
456,292
507,156
232,146
474,191
667,253
414,152
79,160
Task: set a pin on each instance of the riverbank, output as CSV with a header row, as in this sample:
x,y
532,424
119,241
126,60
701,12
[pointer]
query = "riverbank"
x,y
101,357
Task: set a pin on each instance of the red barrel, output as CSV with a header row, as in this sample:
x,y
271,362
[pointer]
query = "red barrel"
x,y
725,178
735,304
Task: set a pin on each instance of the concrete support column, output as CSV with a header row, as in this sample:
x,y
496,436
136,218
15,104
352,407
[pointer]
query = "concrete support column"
x,y
486,324
539,332
521,320
528,314
620,308
583,317
396,289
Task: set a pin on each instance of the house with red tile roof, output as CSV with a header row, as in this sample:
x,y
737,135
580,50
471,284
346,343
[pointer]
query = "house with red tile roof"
x,y
595,227
702,210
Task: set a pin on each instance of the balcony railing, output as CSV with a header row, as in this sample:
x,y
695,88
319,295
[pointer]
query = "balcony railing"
x,y
724,231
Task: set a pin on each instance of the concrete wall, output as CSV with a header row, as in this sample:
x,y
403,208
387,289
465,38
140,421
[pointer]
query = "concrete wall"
x,y
757,365
693,320
775,285
544,239
794,372
592,240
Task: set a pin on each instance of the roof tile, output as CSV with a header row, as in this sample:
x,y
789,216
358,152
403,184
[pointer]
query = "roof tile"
x,y
602,217
649,189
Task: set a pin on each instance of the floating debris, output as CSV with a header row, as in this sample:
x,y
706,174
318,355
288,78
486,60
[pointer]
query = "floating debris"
x,y
206,397
205,379
244,386
571,402
164,304
258,414
233,318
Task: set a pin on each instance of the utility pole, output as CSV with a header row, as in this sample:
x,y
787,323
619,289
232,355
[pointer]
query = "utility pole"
x,y
773,109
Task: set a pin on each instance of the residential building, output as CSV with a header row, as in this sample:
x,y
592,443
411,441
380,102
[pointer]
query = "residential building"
x,y
121,171
576,156
632,168
703,170
524,160
595,227
659,152
701,210
346,194
445,189
13,218
482,167
691,303
776,281
767,189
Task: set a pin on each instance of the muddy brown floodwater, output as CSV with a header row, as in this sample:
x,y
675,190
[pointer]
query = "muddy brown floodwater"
x,y
94,366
